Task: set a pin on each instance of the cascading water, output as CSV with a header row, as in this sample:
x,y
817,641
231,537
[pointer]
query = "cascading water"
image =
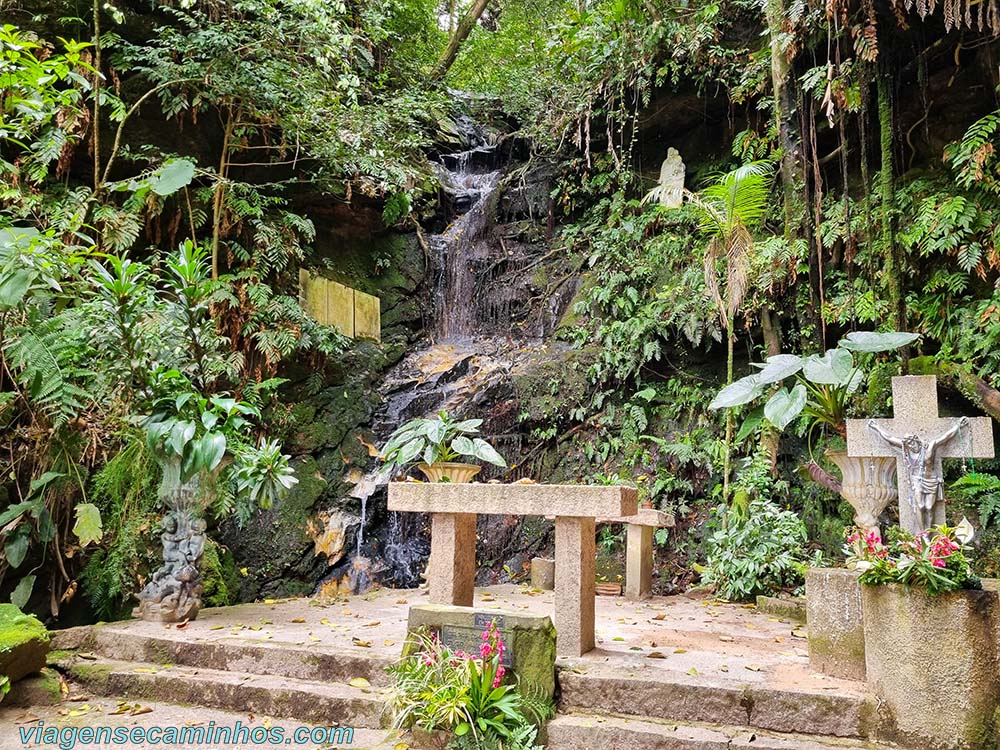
x,y
468,354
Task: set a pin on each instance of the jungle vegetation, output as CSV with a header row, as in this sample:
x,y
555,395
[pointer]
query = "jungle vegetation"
x,y
842,175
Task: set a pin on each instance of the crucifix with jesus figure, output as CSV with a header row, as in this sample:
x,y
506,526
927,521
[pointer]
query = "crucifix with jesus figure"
x,y
919,439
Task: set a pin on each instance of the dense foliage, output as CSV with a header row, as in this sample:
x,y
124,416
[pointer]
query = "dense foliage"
x,y
167,165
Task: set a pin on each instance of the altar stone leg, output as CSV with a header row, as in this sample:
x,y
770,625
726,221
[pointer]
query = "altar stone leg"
x,y
638,562
576,553
451,570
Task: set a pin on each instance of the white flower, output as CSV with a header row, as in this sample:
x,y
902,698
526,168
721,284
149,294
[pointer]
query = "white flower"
x,y
964,531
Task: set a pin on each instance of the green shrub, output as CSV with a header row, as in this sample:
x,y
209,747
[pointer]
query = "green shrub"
x,y
437,688
755,550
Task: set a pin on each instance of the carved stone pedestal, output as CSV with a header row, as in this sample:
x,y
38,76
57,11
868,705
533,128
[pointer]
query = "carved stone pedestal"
x,y
174,592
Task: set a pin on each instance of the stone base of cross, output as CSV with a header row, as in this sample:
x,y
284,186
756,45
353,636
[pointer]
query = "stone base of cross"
x,y
918,438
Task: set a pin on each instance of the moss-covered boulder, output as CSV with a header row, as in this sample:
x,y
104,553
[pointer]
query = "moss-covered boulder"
x,y
24,643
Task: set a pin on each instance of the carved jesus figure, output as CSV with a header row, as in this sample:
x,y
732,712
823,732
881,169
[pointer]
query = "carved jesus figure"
x,y
921,460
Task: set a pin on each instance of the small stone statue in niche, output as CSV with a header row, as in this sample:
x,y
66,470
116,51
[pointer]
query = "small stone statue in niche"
x,y
174,592
923,466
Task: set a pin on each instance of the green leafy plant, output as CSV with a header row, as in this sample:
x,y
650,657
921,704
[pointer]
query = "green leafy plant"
x,y
438,439
756,549
823,385
208,435
437,688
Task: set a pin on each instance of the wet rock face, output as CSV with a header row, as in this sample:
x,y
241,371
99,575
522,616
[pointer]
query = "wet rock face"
x,y
458,323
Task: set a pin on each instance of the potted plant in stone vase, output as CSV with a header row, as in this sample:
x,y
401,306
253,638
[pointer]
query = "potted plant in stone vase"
x,y
434,443
201,447
820,388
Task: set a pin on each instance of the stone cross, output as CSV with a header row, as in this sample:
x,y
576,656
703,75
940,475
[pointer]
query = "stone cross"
x,y
918,438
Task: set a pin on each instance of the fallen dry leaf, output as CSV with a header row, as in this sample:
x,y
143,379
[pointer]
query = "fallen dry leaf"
x,y
360,643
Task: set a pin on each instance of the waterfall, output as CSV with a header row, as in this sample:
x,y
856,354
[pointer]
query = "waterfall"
x,y
469,353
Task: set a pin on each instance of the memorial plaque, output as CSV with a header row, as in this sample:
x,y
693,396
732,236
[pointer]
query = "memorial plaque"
x,y
468,639
529,640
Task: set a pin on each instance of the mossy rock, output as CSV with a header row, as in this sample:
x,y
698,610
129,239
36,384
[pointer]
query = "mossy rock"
x,y
219,576
24,643
42,689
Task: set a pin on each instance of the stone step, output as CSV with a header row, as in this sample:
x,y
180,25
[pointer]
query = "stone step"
x,y
257,657
324,703
674,697
575,731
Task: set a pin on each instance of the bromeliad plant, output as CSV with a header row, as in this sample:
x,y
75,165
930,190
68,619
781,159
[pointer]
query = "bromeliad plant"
x,y
467,695
822,386
436,440
935,561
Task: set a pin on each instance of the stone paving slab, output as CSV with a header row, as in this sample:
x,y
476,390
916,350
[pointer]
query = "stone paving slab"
x,y
578,731
308,701
90,711
721,642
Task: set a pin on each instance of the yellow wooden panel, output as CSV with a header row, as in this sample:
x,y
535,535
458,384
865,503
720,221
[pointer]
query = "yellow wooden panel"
x,y
340,307
367,316
312,296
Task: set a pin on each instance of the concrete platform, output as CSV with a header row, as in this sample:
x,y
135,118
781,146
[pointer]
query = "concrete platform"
x,y
673,659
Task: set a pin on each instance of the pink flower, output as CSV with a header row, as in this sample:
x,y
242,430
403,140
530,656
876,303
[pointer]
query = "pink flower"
x,y
499,676
485,650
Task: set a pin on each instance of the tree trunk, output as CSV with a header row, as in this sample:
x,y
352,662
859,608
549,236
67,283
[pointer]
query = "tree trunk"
x,y
462,32
96,92
218,200
790,170
727,462
887,196
953,377
770,437
789,165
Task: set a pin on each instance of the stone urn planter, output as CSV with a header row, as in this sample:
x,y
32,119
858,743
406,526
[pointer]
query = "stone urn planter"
x,y
932,661
869,485
174,592
449,471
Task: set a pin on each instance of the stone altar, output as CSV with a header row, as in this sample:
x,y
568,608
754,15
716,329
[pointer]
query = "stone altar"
x,y
452,566
639,531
